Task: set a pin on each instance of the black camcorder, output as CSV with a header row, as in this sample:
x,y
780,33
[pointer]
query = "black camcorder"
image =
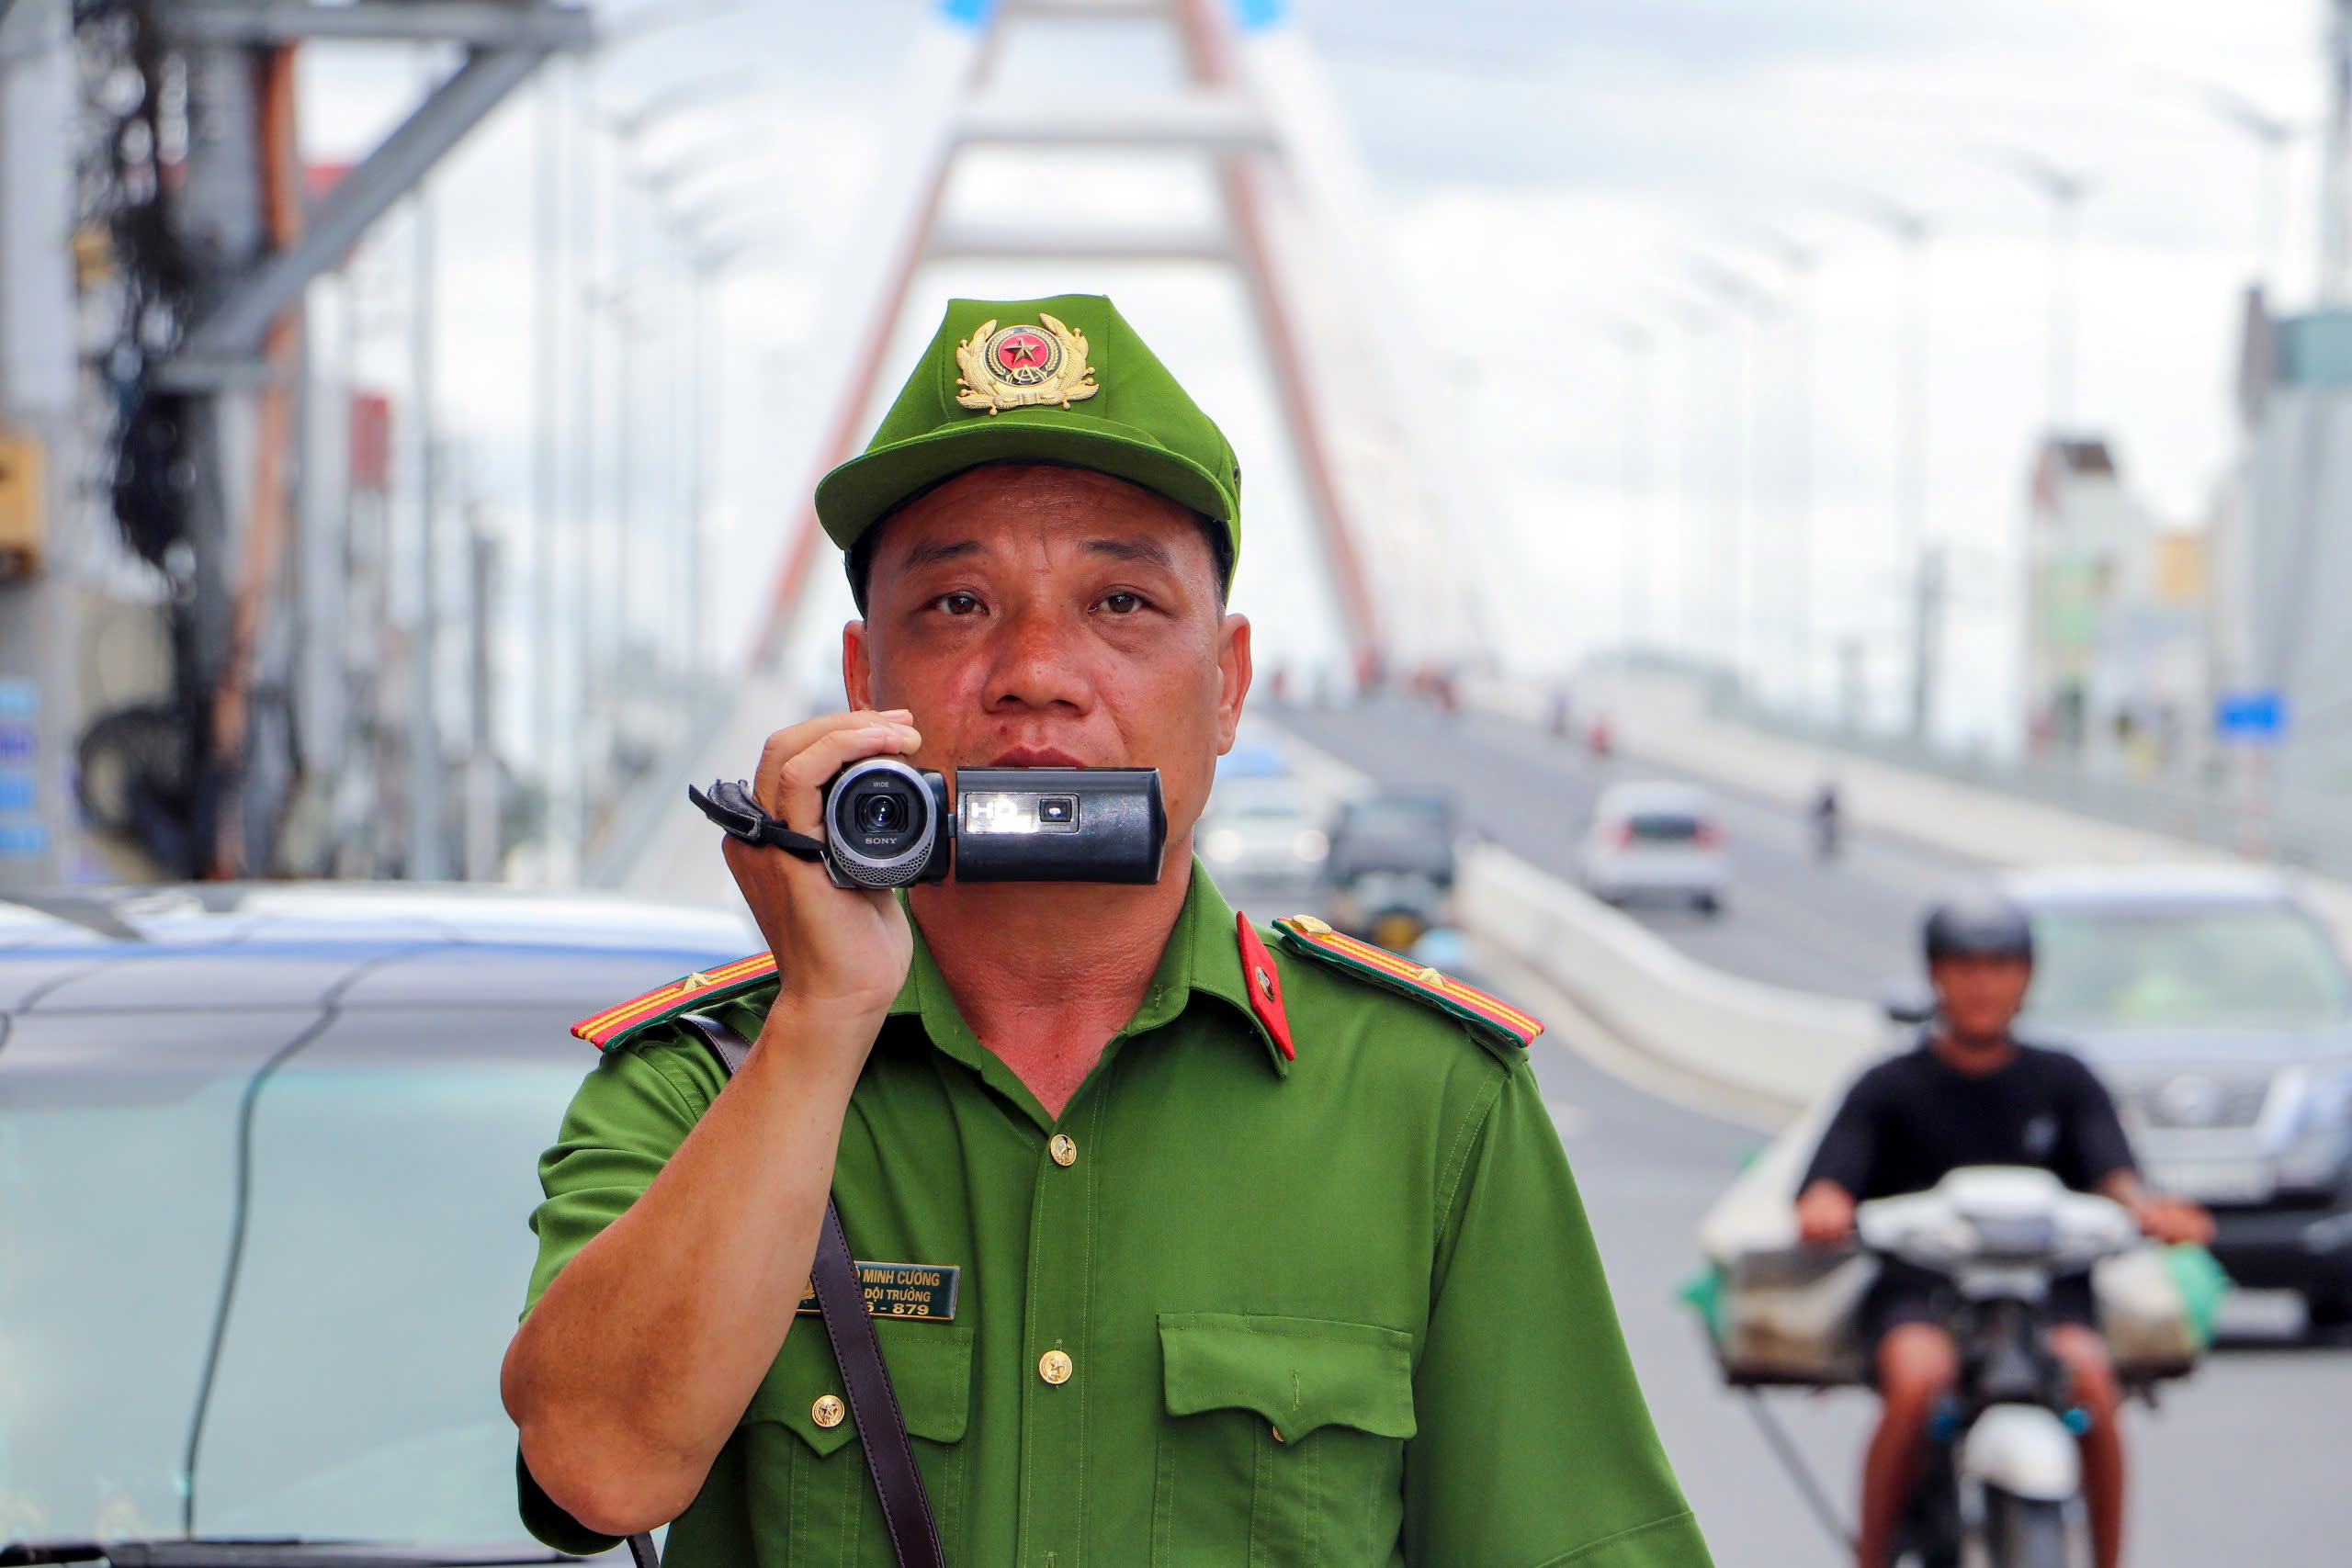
x,y
887,824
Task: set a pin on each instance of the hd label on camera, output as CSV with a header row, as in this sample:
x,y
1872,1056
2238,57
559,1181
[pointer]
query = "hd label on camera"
x,y
923,1292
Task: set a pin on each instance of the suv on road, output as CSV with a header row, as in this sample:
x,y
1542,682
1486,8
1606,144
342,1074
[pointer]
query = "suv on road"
x,y
2219,1011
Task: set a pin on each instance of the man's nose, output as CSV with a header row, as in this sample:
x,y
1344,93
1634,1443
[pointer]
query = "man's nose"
x,y
1037,665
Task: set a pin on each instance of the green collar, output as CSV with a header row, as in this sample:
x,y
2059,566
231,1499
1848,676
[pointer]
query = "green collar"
x,y
1203,957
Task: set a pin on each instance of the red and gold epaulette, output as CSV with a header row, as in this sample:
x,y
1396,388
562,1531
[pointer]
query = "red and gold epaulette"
x,y
615,1025
1491,1019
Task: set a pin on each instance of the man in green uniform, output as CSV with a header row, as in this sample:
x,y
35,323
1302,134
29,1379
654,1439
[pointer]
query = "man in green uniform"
x,y
1220,1248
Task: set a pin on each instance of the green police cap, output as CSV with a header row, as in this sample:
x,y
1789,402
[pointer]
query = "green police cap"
x,y
1058,380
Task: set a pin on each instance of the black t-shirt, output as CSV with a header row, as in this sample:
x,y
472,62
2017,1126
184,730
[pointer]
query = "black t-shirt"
x,y
1911,1118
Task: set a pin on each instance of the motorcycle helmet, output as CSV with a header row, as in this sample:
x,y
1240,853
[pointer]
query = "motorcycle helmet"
x,y
1979,923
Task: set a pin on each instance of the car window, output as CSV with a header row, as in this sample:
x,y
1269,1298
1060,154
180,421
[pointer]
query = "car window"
x,y
1400,818
1664,827
395,1168
118,1165
2186,967
1258,798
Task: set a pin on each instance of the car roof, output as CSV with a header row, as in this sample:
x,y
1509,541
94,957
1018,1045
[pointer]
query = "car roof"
x,y
1253,760
296,943
1654,795
1425,799
2162,883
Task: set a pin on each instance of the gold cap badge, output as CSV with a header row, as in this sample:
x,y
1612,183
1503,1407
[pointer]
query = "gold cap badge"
x,y
1023,366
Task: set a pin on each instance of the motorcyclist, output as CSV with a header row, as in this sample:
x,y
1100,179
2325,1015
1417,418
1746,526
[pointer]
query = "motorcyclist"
x,y
1971,1093
1825,814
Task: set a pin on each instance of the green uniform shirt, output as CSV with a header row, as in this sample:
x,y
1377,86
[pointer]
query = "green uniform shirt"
x,y
1339,1310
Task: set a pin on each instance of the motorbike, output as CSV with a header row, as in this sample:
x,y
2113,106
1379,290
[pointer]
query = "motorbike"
x,y
2003,1465
1827,827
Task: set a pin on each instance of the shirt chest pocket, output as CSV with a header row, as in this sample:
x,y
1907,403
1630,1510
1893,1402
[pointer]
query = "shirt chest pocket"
x,y
812,1499
1284,1443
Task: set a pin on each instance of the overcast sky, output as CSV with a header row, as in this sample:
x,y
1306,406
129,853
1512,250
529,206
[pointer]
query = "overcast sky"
x,y
1545,175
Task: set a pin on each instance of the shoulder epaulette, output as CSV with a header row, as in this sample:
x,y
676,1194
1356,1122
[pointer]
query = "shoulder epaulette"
x,y
617,1025
1492,1018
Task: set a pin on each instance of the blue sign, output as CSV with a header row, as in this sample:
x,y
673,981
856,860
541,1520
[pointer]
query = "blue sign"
x,y
19,698
23,840
16,789
17,743
2250,716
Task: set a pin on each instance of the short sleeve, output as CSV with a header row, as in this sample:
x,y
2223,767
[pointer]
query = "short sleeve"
x,y
628,1117
621,1128
2100,1144
1534,1444
1848,1153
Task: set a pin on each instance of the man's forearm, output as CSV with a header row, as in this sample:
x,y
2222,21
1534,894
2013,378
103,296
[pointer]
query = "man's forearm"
x,y
639,1359
2124,1186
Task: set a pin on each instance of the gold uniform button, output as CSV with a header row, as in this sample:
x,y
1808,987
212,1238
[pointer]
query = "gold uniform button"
x,y
1064,1148
1312,926
1054,1367
827,1412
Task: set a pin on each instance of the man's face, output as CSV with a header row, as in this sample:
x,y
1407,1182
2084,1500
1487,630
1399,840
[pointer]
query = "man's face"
x,y
1980,996
1035,616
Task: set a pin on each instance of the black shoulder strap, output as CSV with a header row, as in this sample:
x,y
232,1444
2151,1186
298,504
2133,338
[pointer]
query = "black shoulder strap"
x,y
873,1402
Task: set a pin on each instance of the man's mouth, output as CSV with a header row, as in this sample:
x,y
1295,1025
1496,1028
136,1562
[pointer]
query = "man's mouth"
x,y
1034,757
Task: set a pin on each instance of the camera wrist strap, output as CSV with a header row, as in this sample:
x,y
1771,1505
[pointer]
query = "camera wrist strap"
x,y
865,1380
732,807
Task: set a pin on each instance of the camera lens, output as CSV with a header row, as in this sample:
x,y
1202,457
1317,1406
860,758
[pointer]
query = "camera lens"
x,y
880,826
882,812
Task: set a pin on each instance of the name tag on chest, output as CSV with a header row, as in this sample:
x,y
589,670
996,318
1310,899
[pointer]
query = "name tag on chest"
x,y
923,1292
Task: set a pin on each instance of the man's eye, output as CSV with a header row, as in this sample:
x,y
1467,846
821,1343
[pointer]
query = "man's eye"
x,y
1123,603
959,604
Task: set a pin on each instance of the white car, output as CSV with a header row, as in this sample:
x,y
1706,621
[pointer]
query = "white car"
x,y
1265,831
1655,839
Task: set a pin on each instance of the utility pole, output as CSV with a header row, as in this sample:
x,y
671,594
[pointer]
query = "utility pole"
x,y
2336,193
427,820
41,586
485,830
547,622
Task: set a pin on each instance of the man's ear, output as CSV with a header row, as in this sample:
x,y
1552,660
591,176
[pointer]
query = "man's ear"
x,y
857,665
1234,671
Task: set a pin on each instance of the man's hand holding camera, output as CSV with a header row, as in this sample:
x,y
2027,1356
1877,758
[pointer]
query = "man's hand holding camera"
x,y
841,955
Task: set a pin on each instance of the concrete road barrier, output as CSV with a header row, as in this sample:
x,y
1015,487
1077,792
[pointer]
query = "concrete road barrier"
x,y
1786,1046
1789,1046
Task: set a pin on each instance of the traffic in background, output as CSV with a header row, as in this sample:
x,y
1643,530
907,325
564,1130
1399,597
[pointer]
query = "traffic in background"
x,y
2227,1469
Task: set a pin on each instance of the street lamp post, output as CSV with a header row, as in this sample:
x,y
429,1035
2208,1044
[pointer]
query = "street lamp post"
x,y
1637,344
1743,506
1912,233
1694,578
1797,261
2065,190
563,742
2272,135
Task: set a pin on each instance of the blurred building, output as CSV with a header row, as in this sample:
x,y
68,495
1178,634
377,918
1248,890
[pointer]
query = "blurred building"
x,y
2118,626
2283,561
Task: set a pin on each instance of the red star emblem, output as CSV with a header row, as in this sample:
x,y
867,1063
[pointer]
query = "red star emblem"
x,y
1022,350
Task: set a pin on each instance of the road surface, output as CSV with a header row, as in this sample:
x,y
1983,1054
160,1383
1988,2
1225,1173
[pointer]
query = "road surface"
x,y
2245,1463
